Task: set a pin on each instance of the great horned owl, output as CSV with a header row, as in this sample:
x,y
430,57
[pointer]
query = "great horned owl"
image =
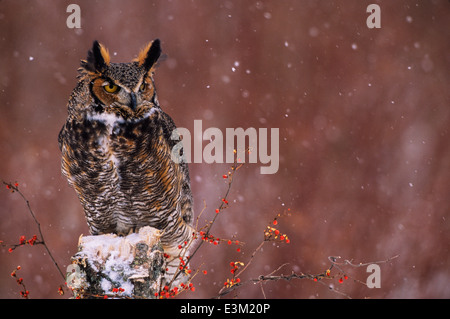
x,y
116,150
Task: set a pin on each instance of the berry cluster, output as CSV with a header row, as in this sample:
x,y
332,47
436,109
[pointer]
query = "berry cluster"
x,y
24,292
166,292
235,265
328,275
216,240
12,187
272,233
117,290
185,244
23,241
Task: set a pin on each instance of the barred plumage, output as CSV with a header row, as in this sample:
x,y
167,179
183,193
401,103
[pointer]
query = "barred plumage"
x,y
116,150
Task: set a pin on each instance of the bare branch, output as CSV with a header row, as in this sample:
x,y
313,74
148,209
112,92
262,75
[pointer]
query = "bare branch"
x,y
15,188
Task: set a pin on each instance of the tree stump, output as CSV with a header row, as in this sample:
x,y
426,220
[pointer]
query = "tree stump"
x,y
133,266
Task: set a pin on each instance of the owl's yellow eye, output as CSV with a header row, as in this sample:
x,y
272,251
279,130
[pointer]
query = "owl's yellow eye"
x,y
142,87
111,88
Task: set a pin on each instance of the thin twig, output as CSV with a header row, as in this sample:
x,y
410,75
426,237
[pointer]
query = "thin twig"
x,y
15,188
318,277
222,206
251,259
333,259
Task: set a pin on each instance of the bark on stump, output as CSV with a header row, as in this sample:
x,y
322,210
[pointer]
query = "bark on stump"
x,y
109,265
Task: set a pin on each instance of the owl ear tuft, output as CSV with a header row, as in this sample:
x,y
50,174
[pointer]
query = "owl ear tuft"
x,y
149,55
98,58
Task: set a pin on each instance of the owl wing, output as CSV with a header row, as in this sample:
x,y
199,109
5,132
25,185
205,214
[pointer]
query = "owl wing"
x,y
61,137
168,127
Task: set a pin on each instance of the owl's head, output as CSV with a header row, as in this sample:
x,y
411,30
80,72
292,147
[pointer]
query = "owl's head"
x,y
125,89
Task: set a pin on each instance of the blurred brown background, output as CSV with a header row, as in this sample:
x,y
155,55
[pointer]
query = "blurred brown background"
x,y
363,114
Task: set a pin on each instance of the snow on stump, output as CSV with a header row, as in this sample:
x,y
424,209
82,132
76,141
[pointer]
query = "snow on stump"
x,y
109,265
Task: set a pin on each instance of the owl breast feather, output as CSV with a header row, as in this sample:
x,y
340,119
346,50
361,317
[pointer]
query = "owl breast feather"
x,y
124,175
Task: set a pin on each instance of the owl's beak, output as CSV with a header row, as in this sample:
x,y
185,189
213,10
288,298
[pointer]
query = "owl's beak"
x,y
133,101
